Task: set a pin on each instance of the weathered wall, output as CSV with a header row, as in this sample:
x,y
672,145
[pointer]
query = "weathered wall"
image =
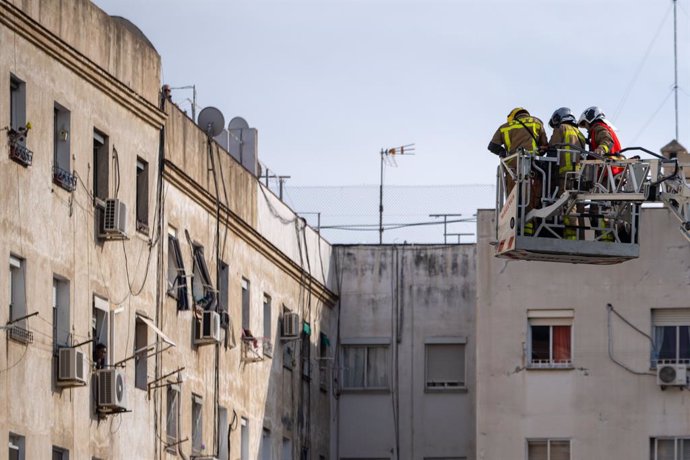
x,y
114,44
606,411
53,230
428,293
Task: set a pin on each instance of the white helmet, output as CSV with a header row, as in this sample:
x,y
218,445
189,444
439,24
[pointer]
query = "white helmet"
x,y
591,115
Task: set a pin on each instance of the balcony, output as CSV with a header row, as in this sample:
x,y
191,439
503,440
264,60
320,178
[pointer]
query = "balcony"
x,y
64,179
20,153
255,349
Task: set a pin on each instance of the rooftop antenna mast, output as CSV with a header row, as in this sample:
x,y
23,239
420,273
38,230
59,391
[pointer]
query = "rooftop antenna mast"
x,y
675,59
389,154
193,88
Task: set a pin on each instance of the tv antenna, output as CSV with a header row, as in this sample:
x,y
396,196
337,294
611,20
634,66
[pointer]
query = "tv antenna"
x,y
193,101
675,59
211,120
389,155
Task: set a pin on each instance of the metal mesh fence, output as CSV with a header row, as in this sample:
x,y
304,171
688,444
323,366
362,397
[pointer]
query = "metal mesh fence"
x,y
350,214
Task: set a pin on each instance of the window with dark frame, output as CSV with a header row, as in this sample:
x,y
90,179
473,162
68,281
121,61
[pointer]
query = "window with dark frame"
x,y
17,103
177,280
141,341
101,166
203,293
17,290
172,414
17,447
61,313
142,196
246,323
60,454
197,424
62,171
305,353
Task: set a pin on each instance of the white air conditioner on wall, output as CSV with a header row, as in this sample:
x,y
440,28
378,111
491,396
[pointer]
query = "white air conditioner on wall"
x,y
208,329
114,221
112,392
71,367
672,375
291,325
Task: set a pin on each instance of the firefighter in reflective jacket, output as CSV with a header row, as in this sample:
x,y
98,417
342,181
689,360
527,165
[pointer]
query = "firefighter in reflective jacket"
x,y
566,135
521,131
602,139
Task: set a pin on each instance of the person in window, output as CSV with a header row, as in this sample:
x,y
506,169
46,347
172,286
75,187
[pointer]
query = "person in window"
x,y
100,356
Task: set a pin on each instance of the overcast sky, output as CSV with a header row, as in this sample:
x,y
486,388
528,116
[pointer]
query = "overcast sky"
x,y
330,82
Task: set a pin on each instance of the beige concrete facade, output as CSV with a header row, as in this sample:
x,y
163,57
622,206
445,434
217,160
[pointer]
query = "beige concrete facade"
x,y
604,410
409,303
85,76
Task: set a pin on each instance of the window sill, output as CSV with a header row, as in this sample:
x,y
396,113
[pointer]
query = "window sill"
x,y
461,389
366,390
550,367
142,228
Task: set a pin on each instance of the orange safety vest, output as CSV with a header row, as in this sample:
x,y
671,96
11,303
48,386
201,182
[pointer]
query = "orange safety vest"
x,y
616,145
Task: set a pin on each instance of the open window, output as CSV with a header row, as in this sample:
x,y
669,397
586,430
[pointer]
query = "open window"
x,y
142,196
246,323
101,167
62,168
197,424
18,126
145,347
550,339
61,313
101,332
171,415
18,331
177,280
202,287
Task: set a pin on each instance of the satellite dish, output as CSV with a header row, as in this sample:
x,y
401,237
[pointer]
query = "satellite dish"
x,y
211,121
238,123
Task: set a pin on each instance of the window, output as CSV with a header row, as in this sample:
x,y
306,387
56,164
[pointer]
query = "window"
x,y
223,434
669,448
17,103
548,449
671,336
445,365
244,439
288,348
287,449
324,361
17,450
61,313
246,324
202,288
141,342
223,285
267,345
305,352
17,290
142,196
101,166
60,454
101,332
550,338
197,424
177,281
62,172
172,412
365,367
266,444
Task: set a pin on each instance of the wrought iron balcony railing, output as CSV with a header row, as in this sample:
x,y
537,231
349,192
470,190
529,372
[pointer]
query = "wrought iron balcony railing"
x,y
64,179
20,153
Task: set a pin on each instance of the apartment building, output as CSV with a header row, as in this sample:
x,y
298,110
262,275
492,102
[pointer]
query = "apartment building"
x,y
133,330
584,361
406,361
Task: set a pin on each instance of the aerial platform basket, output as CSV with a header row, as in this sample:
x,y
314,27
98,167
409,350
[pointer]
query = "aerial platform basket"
x,y
576,207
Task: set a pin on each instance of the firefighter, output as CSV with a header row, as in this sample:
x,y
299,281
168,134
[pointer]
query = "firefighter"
x,y
521,131
566,135
602,140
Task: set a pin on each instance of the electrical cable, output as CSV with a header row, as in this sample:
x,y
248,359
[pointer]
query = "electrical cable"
x,y
649,121
609,325
633,80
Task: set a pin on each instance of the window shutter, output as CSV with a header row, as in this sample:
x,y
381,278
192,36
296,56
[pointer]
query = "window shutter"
x,y
446,364
671,317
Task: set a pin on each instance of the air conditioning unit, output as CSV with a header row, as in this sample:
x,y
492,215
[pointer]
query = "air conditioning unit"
x,y
672,375
291,325
208,329
114,221
71,371
112,392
